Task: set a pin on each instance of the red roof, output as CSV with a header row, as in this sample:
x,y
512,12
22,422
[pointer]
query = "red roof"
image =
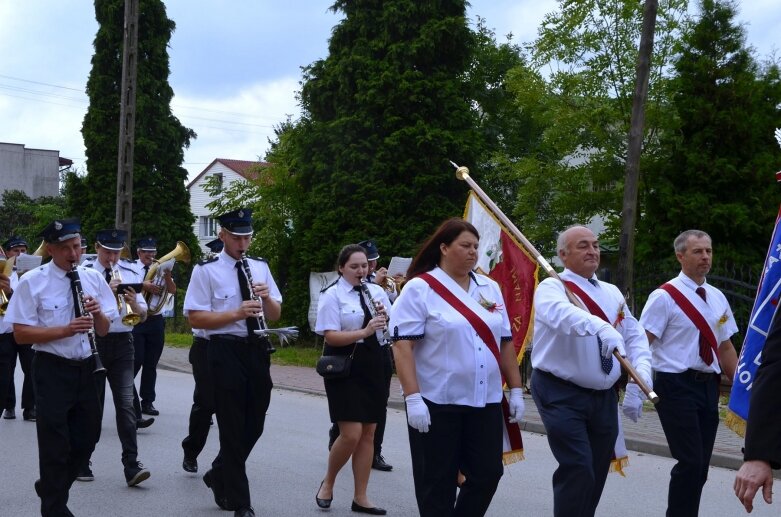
x,y
241,167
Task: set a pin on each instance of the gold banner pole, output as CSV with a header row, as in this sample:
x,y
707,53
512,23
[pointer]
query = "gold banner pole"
x,y
462,173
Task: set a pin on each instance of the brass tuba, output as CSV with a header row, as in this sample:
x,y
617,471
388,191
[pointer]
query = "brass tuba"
x,y
7,265
156,302
42,251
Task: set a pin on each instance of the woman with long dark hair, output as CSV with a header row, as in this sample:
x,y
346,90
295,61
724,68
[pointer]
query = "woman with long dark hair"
x,y
452,344
356,403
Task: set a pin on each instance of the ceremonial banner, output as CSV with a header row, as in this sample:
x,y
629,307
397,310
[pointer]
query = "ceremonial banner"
x,y
318,282
504,260
768,293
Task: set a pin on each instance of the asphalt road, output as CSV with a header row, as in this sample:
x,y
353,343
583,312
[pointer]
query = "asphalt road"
x,y
288,463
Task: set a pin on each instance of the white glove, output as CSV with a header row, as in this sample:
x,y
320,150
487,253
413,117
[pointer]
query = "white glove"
x,y
632,406
517,406
418,416
611,340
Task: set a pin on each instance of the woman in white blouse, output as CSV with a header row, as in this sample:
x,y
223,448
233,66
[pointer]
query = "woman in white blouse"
x,y
355,403
451,349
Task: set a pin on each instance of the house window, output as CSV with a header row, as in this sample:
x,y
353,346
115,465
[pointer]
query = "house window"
x,y
218,180
208,227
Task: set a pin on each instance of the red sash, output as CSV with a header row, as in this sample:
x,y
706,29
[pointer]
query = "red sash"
x,y
513,431
694,315
590,304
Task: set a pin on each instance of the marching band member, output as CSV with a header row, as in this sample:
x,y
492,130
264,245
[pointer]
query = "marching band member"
x,y
452,344
219,301
149,336
15,246
575,371
116,351
7,343
689,324
203,393
43,310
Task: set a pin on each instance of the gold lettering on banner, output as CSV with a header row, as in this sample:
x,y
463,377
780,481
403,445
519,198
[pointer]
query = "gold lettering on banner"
x,y
517,291
517,323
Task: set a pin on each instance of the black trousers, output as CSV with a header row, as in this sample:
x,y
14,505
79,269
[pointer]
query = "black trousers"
x,y
25,354
459,437
379,431
67,425
148,343
203,400
116,353
242,393
582,426
7,362
689,413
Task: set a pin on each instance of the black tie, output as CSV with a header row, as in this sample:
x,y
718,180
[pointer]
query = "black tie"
x,y
108,275
72,276
252,323
146,271
607,363
367,315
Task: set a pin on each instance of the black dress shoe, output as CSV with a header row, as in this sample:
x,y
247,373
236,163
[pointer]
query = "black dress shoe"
x,y
149,409
29,415
9,414
190,464
143,423
219,497
323,503
374,510
379,464
244,512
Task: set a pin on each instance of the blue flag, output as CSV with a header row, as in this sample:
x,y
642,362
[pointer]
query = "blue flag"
x,y
768,294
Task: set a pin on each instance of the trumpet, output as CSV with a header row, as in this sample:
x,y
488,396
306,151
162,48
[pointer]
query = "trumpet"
x,y
130,318
376,308
73,274
156,302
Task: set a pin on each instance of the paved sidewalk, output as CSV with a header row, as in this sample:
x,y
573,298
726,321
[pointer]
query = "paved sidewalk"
x,y
645,436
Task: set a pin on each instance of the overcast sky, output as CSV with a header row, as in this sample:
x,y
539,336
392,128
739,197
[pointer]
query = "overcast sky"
x,y
235,65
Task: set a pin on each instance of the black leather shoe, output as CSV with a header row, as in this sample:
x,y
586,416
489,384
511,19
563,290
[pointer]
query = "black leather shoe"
x,y
149,409
29,415
219,497
244,512
143,423
379,464
190,464
9,414
374,510
323,503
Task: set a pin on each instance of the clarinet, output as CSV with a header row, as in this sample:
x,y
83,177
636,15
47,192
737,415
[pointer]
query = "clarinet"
x,y
376,308
76,283
252,296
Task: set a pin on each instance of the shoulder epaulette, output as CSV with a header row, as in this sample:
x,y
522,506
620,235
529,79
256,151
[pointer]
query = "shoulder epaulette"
x,y
128,261
324,289
87,263
208,261
258,258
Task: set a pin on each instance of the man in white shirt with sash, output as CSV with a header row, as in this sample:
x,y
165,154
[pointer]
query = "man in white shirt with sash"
x,y
689,324
575,373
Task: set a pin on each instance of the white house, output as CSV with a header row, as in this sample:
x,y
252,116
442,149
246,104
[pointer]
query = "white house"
x,y
227,171
36,172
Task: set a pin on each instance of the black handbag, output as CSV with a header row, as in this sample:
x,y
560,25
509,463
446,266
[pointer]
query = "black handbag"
x,y
335,366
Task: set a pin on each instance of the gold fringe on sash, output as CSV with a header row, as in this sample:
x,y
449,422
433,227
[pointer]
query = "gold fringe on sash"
x,y
618,464
736,423
510,457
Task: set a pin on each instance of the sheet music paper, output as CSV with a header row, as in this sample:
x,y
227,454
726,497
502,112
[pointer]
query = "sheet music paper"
x,y
25,262
399,265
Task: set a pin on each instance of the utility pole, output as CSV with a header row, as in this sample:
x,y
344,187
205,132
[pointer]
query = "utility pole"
x,y
626,243
127,120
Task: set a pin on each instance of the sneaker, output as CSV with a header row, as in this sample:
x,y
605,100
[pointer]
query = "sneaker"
x,y
135,473
85,473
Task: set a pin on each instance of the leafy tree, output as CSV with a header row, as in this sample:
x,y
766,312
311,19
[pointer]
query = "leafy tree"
x,y
27,217
722,154
160,201
382,115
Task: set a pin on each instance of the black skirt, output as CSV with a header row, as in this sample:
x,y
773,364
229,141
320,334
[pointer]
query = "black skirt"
x,y
363,395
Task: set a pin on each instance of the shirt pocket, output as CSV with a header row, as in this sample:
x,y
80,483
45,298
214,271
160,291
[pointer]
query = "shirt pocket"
x,y
54,312
351,317
223,299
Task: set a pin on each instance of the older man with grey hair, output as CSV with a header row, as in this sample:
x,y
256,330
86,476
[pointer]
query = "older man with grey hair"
x,y
689,324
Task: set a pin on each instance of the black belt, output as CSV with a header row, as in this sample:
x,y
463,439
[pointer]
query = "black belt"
x,y
200,340
695,375
233,339
64,360
555,378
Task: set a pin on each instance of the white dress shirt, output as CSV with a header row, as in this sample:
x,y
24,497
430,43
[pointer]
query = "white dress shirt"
x,y
676,347
129,276
43,298
565,342
214,287
6,328
339,307
453,364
